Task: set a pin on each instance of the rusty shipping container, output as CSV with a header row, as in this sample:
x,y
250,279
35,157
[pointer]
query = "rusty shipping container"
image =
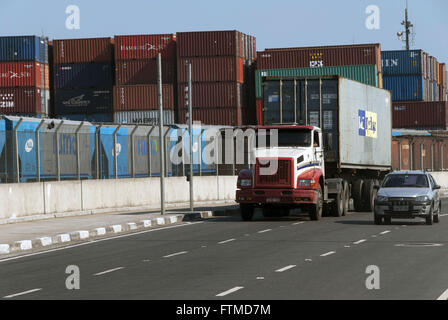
x,y
23,100
312,57
229,116
210,43
213,95
143,97
22,74
98,50
133,72
211,69
419,150
131,47
420,115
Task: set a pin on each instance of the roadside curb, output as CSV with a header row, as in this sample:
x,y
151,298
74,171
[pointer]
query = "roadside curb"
x,y
79,236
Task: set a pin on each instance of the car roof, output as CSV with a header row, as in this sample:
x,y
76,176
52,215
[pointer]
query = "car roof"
x,y
409,172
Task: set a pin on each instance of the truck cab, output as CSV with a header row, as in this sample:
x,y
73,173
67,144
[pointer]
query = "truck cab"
x,y
288,172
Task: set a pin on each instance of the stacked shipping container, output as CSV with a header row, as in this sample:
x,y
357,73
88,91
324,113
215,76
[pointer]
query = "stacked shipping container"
x,y
136,75
221,83
83,79
24,76
357,62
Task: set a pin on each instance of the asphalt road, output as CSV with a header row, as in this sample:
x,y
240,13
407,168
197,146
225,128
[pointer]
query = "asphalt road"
x,y
226,258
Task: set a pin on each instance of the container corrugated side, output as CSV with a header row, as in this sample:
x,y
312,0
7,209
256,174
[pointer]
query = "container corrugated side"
x,y
21,100
211,69
214,116
130,47
316,57
24,48
420,115
98,50
142,97
402,62
21,74
407,88
133,72
365,125
82,75
150,117
209,43
212,95
364,73
84,101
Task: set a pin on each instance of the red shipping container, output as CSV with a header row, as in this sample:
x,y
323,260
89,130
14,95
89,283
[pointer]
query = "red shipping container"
x,y
212,95
211,69
132,72
420,115
314,57
259,107
20,100
142,97
145,46
98,50
210,43
230,116
21,74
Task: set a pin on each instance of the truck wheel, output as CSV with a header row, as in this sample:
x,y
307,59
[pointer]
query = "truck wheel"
x,y
316,209
285,212
357,194
268,212
247,211
347,198
377,219
368,195
337,206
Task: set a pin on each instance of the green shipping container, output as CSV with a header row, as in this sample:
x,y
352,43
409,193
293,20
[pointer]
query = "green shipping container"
x,y
363,73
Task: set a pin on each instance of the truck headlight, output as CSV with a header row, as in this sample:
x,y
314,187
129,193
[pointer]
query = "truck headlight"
x,y
306,182
382,199
422,199
245,182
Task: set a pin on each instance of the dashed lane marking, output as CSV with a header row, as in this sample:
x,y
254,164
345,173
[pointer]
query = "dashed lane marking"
x,y
225,293
285,268
22,293
108,271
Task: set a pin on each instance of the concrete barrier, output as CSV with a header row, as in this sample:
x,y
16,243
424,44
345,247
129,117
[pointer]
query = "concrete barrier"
x,y
91,196
441,179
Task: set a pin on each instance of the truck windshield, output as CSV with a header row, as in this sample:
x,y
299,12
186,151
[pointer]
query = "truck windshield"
x,y
286,138
406,181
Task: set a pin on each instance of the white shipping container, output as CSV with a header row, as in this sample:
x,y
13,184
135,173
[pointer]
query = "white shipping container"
x,y
150,117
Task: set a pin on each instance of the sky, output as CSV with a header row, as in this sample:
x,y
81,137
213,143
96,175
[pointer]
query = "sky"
x,y
275,23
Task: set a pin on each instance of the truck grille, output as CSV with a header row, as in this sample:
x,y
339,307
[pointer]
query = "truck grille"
x,y
282,178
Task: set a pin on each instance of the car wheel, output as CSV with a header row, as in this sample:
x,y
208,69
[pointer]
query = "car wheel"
x,y
430,217
436,217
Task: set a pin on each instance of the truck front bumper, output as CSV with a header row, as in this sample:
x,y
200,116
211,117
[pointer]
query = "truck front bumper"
x,y
276,196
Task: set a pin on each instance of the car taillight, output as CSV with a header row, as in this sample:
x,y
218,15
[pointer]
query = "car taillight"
x,y
245,179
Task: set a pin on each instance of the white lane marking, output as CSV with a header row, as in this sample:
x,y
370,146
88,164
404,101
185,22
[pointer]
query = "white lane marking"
x,y
225,241
260,278
285,268
443,215
263,231
22,293
108,271
328,254
308,260
296,223
444,296
175,254
346,246
100,240
222,294
360,241
384,232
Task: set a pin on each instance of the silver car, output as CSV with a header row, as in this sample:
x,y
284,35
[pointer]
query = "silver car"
x,y
408,195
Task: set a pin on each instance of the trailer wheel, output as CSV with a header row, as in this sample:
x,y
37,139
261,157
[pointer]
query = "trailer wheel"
x,y
347,197
316,209
337,206
357,194
247,211
368,195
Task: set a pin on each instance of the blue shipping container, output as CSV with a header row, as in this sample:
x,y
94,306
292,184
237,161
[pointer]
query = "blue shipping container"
x,y
83,75
24,48
402,62
405,88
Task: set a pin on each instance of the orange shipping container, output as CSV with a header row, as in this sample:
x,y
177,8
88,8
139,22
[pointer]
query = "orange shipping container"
x,y
21,74
211,69
98,50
